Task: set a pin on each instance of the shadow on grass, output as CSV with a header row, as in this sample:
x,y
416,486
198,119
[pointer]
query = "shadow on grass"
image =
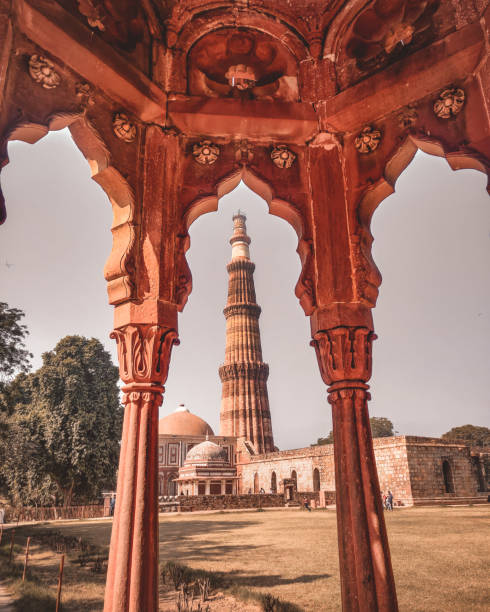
x,y
271,580
172,530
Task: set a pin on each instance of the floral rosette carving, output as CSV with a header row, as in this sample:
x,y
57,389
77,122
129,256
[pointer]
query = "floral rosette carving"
x,y
449,103
282,156
123,128
205,152
368,140
42,71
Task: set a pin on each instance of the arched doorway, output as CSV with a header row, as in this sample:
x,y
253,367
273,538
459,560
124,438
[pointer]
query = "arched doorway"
x,y
256,483
448,476
316,480
294,478
273,483
171,484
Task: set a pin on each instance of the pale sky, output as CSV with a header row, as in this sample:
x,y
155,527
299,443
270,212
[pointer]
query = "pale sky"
x,y
432,245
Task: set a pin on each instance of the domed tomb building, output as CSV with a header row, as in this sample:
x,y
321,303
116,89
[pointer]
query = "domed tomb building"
x,y
207,470
178,433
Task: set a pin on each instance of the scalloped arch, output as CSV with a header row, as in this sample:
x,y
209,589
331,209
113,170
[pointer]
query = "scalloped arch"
x,y
457,160
384,187
278,207
117,270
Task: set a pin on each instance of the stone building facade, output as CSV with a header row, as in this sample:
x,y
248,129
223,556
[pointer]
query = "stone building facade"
x,y
417,470
178,433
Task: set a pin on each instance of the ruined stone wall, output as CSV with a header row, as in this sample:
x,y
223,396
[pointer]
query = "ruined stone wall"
x,y
425,460
302,460
409,466
393,471
193,503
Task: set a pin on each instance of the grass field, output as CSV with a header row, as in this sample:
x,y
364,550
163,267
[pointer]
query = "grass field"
x,y
440,555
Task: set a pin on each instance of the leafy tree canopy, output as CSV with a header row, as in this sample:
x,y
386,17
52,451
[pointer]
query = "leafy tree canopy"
x,y
478,436
65,425
14,356
381,427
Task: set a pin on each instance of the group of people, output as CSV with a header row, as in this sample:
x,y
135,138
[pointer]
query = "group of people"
x,y
387,500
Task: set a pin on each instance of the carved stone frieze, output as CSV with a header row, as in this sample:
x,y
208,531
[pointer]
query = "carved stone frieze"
x,y
282,156
368,140
144,352
42,71
93,12
85,93
153,399
344,354
245,369
244,151
407,118
449,103
252,310
123,128
205,152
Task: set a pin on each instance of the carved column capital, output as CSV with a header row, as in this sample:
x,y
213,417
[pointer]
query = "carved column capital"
x,y
344,356
144,353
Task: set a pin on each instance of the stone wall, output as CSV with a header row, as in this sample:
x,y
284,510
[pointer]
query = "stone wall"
x,y
193,503
409,466
303,461
393,471
425,460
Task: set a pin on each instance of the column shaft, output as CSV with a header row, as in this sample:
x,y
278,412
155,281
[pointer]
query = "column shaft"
x,y
132,573
344,356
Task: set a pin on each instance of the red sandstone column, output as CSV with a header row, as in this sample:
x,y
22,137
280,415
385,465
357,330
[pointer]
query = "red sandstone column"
x,y
132,575
344,356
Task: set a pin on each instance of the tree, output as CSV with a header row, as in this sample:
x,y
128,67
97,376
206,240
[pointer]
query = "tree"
x,y
327,440
66,426
381,427
14,356
477,436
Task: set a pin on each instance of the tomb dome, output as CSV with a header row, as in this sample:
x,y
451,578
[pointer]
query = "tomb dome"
x,y
206,452
182,422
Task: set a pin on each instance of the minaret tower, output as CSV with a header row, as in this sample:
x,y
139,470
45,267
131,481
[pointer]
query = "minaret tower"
x,y
244,401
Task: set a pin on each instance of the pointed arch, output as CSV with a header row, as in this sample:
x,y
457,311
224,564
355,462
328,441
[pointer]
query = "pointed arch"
x,y
316,479
120,286
273,483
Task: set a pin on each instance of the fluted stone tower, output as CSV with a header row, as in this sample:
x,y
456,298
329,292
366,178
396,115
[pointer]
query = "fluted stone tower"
x,y
244,402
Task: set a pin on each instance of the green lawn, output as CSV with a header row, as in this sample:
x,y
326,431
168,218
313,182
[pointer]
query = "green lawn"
x,y
440,555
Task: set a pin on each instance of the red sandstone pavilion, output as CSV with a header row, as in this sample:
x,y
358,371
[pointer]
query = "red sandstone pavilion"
x,y
318,107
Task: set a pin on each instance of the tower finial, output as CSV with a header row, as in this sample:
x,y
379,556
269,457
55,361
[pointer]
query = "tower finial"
x,y
240,240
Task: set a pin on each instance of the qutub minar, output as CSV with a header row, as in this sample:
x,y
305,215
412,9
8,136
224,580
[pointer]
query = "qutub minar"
x,y
243,458
245,411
